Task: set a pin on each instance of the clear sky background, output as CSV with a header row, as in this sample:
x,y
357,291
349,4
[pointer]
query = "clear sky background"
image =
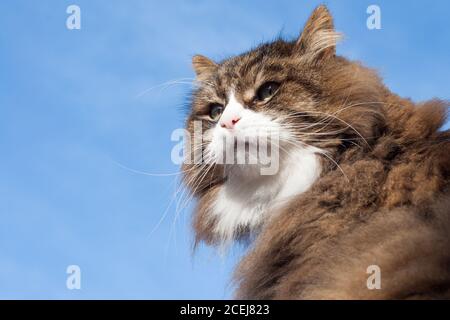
x,y
72,118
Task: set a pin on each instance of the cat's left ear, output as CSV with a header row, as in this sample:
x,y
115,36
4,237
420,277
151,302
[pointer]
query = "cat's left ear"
x,y
318,39
203,67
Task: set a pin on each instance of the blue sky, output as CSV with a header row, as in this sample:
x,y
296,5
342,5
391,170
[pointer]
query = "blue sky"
x,y
71,118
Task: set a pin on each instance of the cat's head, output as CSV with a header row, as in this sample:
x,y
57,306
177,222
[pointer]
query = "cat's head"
x,y
293,97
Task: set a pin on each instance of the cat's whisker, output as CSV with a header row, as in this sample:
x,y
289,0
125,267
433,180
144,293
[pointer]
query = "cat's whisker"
x,y
311,125
177,191
295,143
149,173
196,184
343,121
343,109
166,84
182,185
205,164
184,190
166,211
316,133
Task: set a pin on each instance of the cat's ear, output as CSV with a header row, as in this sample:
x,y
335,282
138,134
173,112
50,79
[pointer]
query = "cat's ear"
x,y
203,67
318,39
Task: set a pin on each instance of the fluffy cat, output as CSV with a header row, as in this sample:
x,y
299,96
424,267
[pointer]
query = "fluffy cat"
x,y
362,179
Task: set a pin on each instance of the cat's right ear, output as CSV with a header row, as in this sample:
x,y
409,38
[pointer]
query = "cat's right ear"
x,y
318,39
203,67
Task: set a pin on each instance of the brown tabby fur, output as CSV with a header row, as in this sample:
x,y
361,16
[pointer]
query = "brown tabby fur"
x,y
384,200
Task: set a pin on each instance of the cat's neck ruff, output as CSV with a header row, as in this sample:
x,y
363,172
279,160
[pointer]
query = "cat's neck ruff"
x,y
248,198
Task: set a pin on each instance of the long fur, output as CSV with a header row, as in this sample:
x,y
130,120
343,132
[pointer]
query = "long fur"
x,y
382,197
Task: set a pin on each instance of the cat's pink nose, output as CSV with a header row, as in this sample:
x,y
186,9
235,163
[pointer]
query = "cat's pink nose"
x,y
230,123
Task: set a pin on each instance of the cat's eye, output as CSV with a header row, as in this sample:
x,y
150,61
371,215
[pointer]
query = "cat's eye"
x,y
267,90
215,111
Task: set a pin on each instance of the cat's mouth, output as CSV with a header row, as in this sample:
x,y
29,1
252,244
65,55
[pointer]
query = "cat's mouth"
x,y
244,147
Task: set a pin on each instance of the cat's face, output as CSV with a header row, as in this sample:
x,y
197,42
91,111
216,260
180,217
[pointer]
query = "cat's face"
x,y
253,99
297,100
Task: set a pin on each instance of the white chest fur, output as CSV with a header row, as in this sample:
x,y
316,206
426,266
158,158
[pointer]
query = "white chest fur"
x,y
247,199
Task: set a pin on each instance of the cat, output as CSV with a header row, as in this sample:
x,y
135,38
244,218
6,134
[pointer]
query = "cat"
x,y
362,180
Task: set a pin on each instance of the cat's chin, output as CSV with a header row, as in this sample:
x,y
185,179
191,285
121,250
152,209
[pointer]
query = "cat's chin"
x,y
247,199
